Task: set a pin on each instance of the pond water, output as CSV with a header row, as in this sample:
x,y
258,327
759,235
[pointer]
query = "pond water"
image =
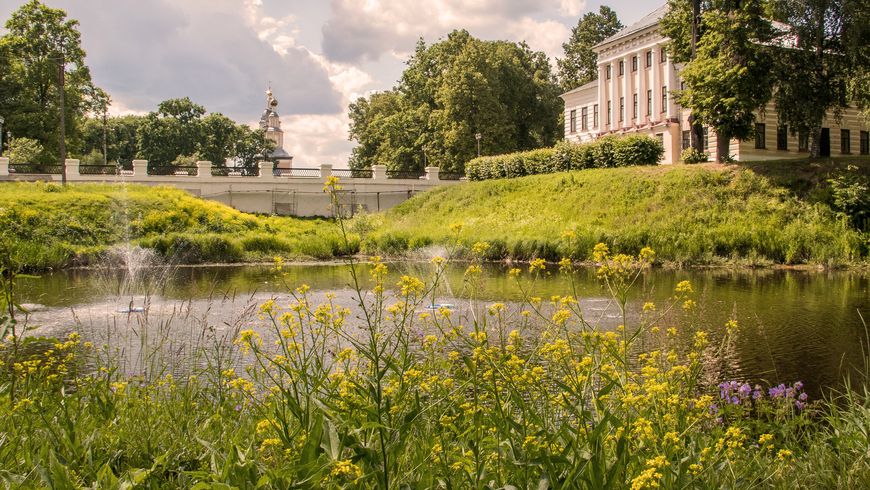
x,y
794,325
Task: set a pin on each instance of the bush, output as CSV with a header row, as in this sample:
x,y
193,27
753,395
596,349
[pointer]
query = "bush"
x,y
195,249
25,150
693,155
607,152
851,196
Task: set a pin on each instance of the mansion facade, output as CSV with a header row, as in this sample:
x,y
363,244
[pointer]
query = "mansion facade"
x,y
631,96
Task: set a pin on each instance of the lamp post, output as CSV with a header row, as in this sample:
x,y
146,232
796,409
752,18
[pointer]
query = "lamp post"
x,y
1,134
477,136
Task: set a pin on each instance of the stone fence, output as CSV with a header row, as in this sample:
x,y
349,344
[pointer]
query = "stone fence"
x,y
294,191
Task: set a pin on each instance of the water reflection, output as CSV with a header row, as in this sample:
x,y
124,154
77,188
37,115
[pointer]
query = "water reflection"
x,y
794,325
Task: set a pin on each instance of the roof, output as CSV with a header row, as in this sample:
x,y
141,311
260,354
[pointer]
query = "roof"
x,y
648,20
593,83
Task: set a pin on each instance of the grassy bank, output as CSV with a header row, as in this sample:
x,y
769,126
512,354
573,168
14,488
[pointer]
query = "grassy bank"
x,y
48,226
753,214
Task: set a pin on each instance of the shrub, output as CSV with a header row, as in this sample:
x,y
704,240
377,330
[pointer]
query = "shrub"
x,y
25,150
195,249
693,155
607,152
851,196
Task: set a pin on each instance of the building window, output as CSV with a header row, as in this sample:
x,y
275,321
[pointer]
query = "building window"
x,y
661,138
621,68
573,121
782,138
649,58
584,119
634,63
649,102
759,136
609,111
635,106
622,109
865,143
687,139
664,55
609,71
845,143
664,98
803,141
595,116
705,145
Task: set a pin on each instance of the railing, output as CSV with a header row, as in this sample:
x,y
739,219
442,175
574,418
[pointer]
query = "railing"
x,y
235,172
35,168
404,174
347,173
189,171
298,172
98,170
450,175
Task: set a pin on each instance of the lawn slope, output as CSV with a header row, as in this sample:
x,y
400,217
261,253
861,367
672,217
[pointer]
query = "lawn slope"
x,y
688,214
49,226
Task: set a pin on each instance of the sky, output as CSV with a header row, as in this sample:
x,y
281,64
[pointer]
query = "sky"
x,y
318,56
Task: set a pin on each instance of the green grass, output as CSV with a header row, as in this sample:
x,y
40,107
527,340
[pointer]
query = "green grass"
x,y
49,226
772,212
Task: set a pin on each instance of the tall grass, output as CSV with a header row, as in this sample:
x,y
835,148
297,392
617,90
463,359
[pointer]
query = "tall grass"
x,y
697,214
402,392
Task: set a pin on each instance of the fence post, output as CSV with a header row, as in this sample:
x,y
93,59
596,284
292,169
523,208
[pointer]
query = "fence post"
x,y
432,173
4,166
379,172
140,168
203,169
267,169
72,168
325,170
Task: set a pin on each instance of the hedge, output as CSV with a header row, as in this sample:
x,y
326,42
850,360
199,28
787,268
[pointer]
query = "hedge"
x,y
607,152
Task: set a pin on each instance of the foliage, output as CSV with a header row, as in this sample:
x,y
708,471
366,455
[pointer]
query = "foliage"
x,y
451,91
37,38
693,155
383,396
729,78
120,133
25,150
813,76
605,152
851,196
580,64
767,213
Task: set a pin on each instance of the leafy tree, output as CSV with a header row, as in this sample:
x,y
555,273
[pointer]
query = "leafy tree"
x,y
219,135
251,145
120,133
580,64
729,77
451,91
25,150
174,129
815,68
857,39
39,41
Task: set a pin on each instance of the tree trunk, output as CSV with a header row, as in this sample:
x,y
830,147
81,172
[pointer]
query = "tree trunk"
x,y
815,140
723,146
62,145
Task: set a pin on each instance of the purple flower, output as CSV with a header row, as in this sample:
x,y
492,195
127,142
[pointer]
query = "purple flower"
x,y
803,397
799,385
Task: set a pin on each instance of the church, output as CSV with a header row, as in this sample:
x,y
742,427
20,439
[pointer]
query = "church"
x,y
631,96
270,123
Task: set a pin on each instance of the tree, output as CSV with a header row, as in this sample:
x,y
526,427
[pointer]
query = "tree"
x,y
451,91
251,145
25,150
39,42
120,133
219,135
814,69
174,129
580,64
728,77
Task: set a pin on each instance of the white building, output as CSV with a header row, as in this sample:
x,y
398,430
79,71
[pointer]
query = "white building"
x,y
630,96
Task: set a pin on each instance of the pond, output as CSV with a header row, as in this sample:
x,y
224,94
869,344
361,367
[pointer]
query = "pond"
x,y
794,325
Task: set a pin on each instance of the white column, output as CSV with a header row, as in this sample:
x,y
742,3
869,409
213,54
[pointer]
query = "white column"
x,y
267,169
602,97
325,170
641,88
4,166
613,97
203,169
657,85
140,168
72,168
626,90
432,173
379,172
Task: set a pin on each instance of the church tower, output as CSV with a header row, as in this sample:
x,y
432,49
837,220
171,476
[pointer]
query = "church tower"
x,y
271,124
